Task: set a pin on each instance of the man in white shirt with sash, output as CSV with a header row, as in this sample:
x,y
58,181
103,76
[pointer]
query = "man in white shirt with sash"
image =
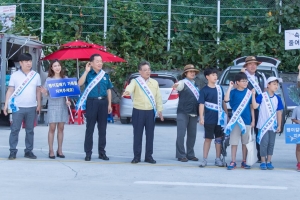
x,y
257,81
187,114
269,121
23,98
147,104
96,101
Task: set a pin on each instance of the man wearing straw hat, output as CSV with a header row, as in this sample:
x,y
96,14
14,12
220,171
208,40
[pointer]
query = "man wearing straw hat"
x,y
257,81
187,114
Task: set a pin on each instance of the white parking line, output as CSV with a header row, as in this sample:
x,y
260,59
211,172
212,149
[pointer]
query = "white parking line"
x,y
211,185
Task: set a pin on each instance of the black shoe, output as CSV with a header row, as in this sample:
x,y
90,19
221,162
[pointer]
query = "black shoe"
x,y
135,161
12,156
194,159
87,158
29,155
150,160
183,159
103,156
51,157
258,161
60,156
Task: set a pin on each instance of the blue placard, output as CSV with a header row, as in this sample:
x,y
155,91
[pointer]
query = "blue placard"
x,y
63,87
292,133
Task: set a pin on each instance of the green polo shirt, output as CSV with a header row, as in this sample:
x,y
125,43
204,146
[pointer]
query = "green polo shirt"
x,y
100,90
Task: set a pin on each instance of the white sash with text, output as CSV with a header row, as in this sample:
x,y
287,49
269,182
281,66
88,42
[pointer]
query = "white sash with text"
x,y
254,83
142,83
81,104
236,117
11,102
222,117
271,123
192,87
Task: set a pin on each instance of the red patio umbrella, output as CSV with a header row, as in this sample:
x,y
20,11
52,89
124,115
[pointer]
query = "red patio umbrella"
x,y
80,50
82,54
82,44
96,46
77,43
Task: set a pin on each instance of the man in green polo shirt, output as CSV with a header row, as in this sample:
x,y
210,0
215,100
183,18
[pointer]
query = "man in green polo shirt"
x,y
98,105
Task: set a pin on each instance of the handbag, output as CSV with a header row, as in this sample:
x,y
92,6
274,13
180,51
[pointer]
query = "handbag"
x,y
251,147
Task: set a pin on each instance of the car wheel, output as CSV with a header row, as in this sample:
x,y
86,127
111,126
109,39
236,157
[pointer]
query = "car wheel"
x,y
125,120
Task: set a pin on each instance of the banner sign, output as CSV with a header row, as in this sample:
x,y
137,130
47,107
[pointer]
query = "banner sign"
x,y
63,87
7,17
292,39
292,133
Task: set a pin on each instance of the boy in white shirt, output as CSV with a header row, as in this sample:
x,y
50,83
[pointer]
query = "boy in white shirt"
x,y
269,120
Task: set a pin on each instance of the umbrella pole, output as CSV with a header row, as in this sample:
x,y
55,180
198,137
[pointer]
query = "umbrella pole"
x,y
70,111
77,67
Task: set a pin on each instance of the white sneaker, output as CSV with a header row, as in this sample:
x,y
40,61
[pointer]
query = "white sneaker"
x,y
203,163
218,162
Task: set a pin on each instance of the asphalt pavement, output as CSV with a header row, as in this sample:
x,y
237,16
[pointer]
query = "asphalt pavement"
x,y
73,178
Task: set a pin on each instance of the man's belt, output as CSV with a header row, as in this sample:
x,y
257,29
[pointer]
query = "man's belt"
x,y
97,98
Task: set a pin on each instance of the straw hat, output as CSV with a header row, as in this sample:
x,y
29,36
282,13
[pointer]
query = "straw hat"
x,y
188,68
251,59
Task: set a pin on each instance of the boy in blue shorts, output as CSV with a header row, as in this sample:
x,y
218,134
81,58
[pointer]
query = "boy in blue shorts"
x,y
269,121
242,120
214,109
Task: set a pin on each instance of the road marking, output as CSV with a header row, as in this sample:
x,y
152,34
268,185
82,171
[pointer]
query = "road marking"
x,y
211,185
95,160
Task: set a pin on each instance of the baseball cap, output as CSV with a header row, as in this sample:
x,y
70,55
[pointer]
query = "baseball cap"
x,y
271,79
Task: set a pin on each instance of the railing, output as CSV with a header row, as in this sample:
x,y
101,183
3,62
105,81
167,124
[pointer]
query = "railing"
x,y
91,13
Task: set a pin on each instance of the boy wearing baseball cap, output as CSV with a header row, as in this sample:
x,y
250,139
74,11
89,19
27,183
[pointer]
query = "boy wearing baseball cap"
x,y
269,120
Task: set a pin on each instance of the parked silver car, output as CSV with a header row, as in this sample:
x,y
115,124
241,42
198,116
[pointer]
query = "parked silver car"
x,y
268,66
169,97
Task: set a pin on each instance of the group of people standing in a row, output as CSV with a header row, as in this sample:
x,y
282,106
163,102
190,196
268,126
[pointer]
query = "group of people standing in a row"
x,y
249,90
23,98
254,104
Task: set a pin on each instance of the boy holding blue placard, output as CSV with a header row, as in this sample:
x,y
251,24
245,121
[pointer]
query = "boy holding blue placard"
x,y
242,119
296,119
269,121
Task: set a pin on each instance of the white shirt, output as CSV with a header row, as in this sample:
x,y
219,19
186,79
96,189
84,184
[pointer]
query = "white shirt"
x,y
255,78
28,97
263,112
181,85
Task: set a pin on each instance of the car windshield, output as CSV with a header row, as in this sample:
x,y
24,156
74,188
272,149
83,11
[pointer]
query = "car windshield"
x,y
230,74
163,81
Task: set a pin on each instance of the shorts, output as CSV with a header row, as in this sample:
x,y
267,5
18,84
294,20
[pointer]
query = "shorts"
x,y
236,135
212,131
